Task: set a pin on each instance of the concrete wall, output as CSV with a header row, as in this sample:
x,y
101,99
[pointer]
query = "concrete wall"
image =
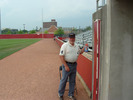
x,y
116,64
121,54
102,15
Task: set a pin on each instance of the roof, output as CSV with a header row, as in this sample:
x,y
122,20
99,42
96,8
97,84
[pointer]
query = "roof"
x,y
52,29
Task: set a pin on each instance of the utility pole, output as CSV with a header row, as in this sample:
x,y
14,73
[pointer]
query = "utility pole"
x,y
79,29
36,28
0,21
42,23
24,26
97,4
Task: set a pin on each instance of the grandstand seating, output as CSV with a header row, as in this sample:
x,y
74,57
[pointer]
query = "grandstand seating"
x,y
84,38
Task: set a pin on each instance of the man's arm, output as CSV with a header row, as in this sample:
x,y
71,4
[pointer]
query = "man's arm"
x,y
82,50
64,62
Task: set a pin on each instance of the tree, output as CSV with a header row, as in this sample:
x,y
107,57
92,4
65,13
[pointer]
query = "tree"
x,y
25,31
20,32
74,30
6,31
46,32
59,32
88,28
14,31
32,32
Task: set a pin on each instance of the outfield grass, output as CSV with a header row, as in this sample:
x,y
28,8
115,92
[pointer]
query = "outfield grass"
x,y
9,46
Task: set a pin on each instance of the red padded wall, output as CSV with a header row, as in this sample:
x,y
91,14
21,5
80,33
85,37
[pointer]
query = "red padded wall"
x,y
15,36
84,68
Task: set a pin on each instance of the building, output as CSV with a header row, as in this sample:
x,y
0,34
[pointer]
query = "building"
x,y
51,27
67,29
48,24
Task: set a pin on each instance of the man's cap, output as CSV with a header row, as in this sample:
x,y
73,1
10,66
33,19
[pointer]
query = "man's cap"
x,y
71,35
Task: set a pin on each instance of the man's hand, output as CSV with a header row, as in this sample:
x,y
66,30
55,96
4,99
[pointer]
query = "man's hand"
x,y
64,62
67,68
83,49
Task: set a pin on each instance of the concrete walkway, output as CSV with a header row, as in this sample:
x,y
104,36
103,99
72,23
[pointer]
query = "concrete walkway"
x,y
32,74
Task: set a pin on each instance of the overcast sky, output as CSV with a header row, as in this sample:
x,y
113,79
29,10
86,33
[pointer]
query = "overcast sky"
x,y
68,13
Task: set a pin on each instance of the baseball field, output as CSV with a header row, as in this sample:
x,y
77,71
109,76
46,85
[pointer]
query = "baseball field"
x,y
9,46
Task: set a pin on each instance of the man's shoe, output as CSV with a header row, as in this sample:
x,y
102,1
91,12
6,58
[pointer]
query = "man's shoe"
x,y
72,97
61,98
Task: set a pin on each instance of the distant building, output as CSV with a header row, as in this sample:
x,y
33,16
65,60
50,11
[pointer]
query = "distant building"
x,y
48,24
67,29
51,27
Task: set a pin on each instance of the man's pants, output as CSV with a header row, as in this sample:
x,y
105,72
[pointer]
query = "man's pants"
x,y
72,75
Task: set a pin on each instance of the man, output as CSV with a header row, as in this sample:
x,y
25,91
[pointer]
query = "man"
x,y
69,53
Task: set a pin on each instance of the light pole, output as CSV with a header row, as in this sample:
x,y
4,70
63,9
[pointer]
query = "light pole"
x,y
24,28
42,23
79,29
97,4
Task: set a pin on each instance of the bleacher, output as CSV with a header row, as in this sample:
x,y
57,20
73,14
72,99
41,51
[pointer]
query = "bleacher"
x,y
84,38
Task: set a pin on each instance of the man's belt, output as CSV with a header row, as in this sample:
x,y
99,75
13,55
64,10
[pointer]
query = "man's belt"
x,y
70,62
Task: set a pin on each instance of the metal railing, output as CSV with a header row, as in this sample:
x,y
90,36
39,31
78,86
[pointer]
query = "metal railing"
x,y
97,4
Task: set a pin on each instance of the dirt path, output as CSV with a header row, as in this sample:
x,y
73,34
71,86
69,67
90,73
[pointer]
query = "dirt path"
x,y
32,74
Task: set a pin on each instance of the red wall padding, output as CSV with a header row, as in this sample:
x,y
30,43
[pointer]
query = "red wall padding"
x,y
84,67
61,38
13,36
59,42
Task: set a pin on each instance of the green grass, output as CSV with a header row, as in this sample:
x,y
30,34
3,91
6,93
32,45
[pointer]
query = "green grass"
x,y
9,46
